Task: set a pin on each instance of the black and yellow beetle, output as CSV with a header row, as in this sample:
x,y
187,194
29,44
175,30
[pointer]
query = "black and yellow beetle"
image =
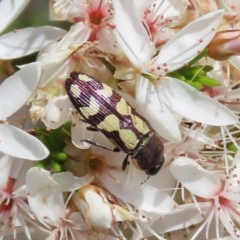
x,y
107,111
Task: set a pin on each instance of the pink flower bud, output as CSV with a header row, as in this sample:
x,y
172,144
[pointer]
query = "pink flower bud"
x,y
224,45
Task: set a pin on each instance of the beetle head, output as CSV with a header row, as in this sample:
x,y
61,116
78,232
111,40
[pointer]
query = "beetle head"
x,y
149,155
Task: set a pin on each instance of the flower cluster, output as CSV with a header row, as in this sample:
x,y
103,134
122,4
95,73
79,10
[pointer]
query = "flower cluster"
x,y
177,63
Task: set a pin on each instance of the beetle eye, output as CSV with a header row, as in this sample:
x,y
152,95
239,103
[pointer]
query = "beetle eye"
x,y
154,170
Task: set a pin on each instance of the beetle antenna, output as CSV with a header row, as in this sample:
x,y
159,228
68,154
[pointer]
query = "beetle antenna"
x,y
145,179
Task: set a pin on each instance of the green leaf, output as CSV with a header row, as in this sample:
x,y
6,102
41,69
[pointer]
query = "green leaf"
x,y
208,81
178,75
192,71
196,85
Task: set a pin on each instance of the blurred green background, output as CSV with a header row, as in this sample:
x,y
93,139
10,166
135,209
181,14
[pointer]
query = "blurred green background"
x,y
36,14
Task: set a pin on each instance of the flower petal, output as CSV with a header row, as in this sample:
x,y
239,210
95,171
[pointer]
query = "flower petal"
x,y
197,180
225,217
10,10
179,218
187,43
235,61
18,143
56,112
79,132
18,88
131,34
68,182
145,197
194,104
61,70
5,168
171,9
26,41
94,207
121,214
44,196
55,52
149,199
155,111
97,210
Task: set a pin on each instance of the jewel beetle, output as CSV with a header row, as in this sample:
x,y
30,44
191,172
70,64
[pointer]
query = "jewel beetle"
x,y
107,111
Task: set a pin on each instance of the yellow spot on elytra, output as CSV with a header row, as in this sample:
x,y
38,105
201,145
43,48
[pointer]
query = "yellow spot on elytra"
x,y
123,108
75,90
110,123
140,124
84,77
92,109
129,138
107,91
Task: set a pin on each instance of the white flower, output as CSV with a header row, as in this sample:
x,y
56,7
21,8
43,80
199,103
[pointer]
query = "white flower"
x,y
15,214
22,42
14,93
16,90
45,198
94,13
167,95
60,58
216,195
160,17
149,198
232,12
9,10
90,30
99,208
141,41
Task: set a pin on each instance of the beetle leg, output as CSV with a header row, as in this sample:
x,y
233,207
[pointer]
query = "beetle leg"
x,y
125,162
92,128
83,120
99,145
